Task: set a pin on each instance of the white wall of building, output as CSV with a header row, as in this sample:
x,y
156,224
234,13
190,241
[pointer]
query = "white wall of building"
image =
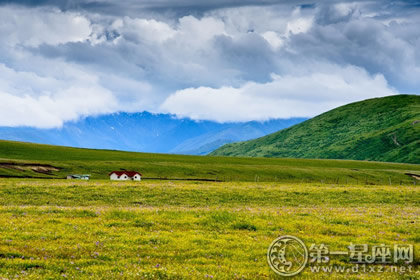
x,y
124,177
114,177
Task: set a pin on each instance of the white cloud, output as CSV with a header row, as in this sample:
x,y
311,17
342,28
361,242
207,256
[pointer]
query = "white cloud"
x,y
294,24
298,23
275,40
242,63
283,97
45,102
144,30
33,27
200,30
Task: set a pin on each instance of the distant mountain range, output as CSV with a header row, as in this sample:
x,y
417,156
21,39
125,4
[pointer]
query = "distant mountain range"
x,y
146,132
380,129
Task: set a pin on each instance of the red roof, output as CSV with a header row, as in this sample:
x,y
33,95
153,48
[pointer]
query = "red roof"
x,y
128,173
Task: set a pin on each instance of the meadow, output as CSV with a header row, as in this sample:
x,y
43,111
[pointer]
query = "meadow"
x,y
65,160
57,229
192,217
378,129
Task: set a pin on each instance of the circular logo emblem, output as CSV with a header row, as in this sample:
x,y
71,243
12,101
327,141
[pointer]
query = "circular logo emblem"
x,y
287,255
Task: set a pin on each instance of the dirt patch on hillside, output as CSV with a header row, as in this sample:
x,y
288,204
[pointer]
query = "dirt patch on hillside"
x,y
36,167
415,176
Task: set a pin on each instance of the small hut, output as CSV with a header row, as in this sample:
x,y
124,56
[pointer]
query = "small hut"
x,y
125,175
78,176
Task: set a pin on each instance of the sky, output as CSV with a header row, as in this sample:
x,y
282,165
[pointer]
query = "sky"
x,y
225,61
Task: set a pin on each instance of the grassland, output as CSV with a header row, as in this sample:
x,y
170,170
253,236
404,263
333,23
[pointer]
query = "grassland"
x,y
99,163
52,229
379,129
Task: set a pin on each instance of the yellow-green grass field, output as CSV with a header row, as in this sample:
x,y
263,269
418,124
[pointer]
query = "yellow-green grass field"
x,y
28,160
57,229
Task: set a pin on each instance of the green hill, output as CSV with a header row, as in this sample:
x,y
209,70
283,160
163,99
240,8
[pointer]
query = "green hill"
x,y
380,129
28,160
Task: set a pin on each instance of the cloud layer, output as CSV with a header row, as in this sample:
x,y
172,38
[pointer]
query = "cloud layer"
x,y
223,60
282,97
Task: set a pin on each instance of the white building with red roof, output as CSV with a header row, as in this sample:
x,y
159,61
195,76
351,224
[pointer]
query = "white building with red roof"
x,y
125,175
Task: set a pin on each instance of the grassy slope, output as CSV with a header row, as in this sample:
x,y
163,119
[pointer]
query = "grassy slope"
x,y
361,131
99,163
53,229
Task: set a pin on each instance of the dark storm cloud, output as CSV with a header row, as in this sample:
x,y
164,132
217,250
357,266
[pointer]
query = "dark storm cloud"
x,y
346,37
62,4
165,9
251,55
134,7
186,4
